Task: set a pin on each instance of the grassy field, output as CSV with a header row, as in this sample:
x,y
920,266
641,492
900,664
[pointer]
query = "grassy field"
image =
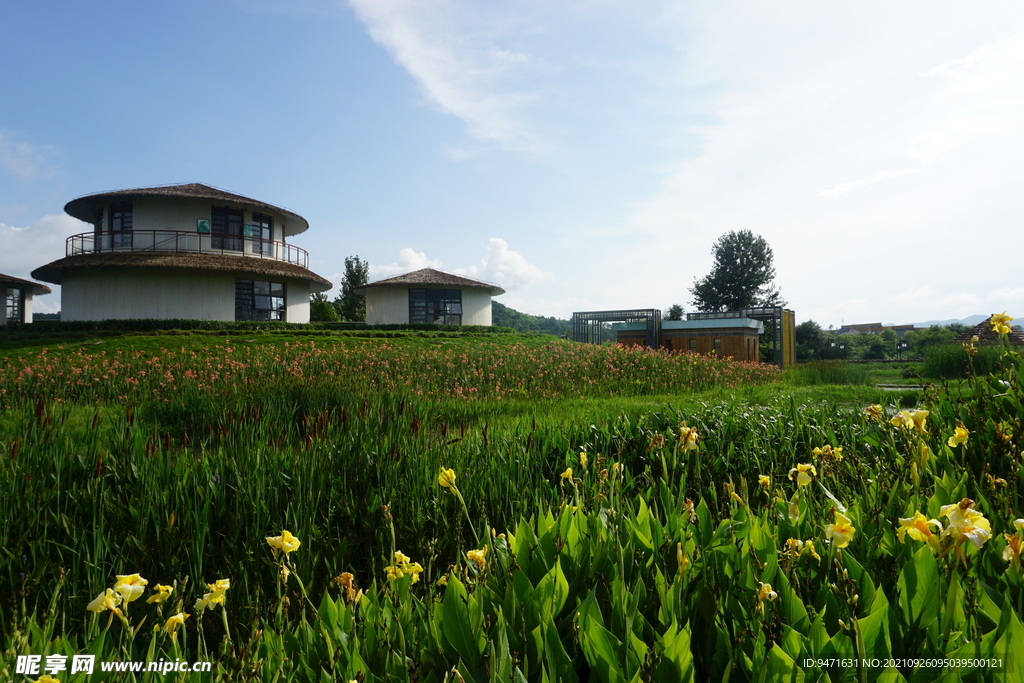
x,y
495,508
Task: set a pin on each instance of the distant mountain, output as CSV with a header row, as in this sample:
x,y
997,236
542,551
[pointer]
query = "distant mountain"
x,y
503,316
969,322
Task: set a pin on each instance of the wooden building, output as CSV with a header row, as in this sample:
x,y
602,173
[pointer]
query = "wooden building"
x,y
736,338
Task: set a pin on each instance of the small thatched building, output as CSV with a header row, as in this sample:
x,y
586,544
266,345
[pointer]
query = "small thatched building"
x,y
983,331
18,295
429,296
183,251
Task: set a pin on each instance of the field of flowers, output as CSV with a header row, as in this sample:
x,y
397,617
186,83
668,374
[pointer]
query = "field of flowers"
x,y
373,510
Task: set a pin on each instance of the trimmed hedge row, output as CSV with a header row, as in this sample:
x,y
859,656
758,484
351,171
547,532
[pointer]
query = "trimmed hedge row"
x,y
156,325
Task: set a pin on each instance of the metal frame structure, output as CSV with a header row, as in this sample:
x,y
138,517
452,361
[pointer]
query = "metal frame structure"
x,y
766,314
183,241
586,326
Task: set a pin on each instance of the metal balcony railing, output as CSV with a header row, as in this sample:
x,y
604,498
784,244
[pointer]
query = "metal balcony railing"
x,y
183,241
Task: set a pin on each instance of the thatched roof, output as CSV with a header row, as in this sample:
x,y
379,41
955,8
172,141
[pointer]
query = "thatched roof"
x,y
84,208
17,283
428,277
983,331
249,266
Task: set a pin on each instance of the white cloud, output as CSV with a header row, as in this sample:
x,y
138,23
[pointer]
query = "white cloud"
x,y
843,188
505,267
408,260
955,67
453,54
23,160
1006,294
27,248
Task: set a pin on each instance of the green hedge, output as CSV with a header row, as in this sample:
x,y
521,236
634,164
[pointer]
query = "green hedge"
x,y
154,325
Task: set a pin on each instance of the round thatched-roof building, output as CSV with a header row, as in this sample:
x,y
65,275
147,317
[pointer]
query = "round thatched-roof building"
x,y
429,296
17,296
183,251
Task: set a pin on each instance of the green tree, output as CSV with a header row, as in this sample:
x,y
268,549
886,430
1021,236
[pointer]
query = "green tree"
x,y
743,275
674,312
810,341
321,310
350,306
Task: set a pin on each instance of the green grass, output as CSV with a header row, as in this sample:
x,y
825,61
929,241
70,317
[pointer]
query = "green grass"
x,y
175,456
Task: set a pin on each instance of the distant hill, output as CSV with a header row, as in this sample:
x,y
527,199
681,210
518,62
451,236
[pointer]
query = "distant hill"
x,y
968,322
504,316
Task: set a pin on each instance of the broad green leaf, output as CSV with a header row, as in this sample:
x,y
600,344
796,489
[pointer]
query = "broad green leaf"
x,y
676,664
601,649
918,583
457,622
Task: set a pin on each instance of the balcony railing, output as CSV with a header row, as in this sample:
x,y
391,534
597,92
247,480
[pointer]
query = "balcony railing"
x,y
182,241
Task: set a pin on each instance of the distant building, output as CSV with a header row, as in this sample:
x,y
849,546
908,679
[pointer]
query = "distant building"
x,y
735,338
985,335
18,295
183,251
429,296
873,328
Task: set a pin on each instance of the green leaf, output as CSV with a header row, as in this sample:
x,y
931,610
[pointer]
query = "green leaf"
x,y
601,649
457,623
918,584
676,664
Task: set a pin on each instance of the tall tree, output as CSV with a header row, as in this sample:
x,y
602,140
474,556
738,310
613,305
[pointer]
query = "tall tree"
x,y
742,277
674,312
321,310
352,307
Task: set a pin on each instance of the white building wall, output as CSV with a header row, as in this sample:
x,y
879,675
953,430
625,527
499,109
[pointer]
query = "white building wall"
x,y
296,301
27,307
176,213
189,295
476,306
390,306
387,305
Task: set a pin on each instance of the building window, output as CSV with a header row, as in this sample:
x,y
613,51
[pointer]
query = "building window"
x,y
262,235
121,224
440,306
693,346
718,348
259,300
15,305
226,228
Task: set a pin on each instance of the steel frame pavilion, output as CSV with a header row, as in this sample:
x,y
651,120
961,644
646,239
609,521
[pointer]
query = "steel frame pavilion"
x,y
772,314
586,326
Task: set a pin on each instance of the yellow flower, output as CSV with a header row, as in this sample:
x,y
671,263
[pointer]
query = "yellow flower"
x,y
1011,553
841,533
764,480
106,600
875,413
809,549
286,543
47,678
826,452
583,460
443,581
402,567
567,475
174,622
965,523
793,547
910,419
688,437
999,323
959,435
130,586
478,557
765,592
220,586
800,473
446,478
917,528
161,594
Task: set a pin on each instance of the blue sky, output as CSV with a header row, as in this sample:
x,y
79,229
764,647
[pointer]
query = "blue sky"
x,y
583,155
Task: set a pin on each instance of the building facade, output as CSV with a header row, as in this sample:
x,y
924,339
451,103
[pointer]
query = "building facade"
x,y
429,296
17,296
736,338
183,252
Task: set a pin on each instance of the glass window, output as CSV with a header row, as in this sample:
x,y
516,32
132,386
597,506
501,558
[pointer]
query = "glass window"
x,y
435,306
15,305
262,235
693,346
718,347
259,300
121,224
226,228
